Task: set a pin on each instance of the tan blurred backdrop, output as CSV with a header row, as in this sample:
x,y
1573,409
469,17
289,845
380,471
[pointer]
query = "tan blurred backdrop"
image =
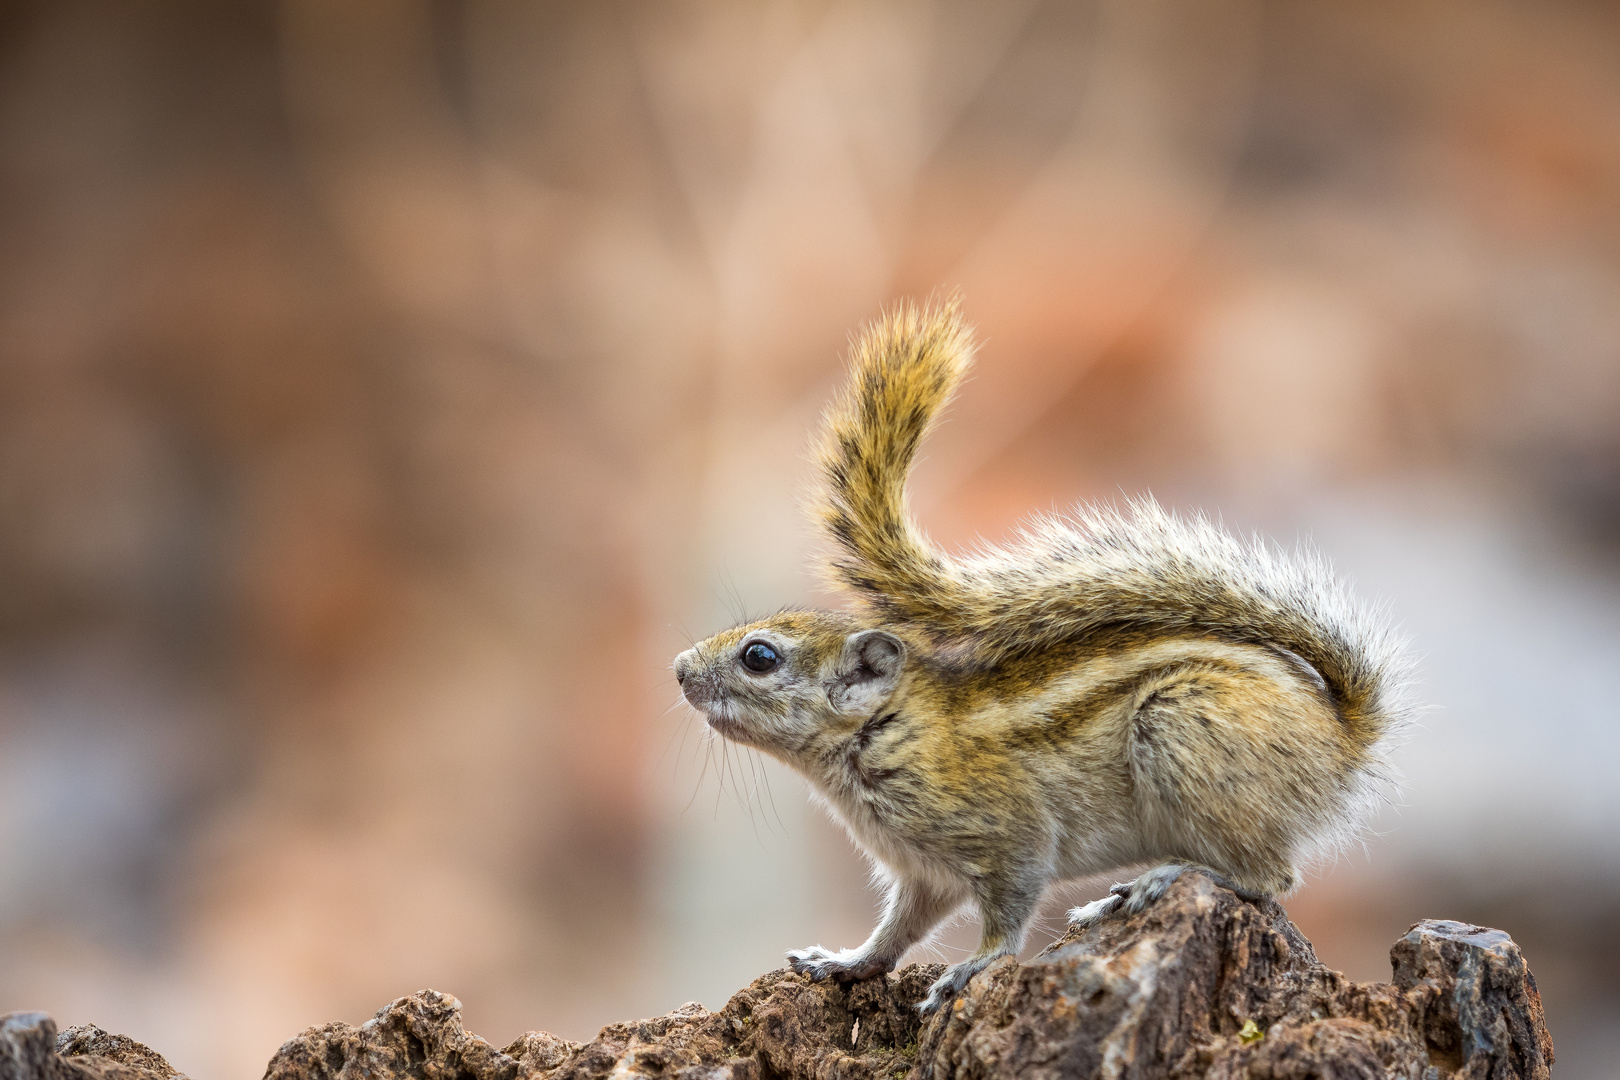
x,y
389,390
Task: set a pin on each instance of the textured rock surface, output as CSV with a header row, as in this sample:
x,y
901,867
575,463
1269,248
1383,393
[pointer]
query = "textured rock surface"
x,y
1168,992
31,1049
1201,984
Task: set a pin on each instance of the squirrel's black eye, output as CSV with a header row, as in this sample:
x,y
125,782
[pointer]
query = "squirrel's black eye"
x,y
760,658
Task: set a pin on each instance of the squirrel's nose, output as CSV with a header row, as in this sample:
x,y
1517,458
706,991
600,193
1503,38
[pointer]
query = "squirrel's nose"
x,y
683,666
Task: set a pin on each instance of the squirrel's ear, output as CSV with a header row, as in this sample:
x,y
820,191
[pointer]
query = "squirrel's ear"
x,y
868,670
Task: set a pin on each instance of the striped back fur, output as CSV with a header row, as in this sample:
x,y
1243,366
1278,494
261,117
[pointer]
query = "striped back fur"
x,y
1064,579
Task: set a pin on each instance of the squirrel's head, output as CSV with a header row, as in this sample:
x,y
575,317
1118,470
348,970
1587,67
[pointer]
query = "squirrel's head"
x,y
783,683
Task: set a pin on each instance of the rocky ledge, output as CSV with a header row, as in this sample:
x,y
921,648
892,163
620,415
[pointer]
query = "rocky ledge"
x,y
1202,984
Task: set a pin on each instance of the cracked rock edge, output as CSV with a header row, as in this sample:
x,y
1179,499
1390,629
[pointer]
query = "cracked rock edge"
x,y
1201,984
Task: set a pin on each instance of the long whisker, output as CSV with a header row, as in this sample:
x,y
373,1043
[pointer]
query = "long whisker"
x,y
680,753
731,596
752,778
720,776
745,794
707,755
736,788
752,758
765,771
681,731
756,766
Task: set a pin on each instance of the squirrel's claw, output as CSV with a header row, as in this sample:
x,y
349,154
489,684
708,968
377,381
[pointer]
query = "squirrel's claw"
x,y
820,964
1095,912
949,986
1131,896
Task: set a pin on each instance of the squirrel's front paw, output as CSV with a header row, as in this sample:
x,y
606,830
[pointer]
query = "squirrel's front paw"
x,y
846,966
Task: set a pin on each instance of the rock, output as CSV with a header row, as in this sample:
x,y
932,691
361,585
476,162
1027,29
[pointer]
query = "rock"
x,y
90,1047
1168,992
417,1036
781,1025
30,1049
1475,1003
1201,984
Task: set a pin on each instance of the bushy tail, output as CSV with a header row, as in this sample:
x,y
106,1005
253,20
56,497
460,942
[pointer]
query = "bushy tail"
x,y
1144,567
1065,579
903,370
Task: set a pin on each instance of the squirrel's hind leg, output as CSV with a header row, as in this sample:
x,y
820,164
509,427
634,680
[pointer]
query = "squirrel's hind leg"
x,y
1095,912
1133,896
1233,770
1129,896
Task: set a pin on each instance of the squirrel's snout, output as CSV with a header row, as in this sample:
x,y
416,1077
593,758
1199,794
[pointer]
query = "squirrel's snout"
x,y
694,689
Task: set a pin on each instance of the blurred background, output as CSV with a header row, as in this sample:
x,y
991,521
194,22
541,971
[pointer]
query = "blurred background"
x,y
389,390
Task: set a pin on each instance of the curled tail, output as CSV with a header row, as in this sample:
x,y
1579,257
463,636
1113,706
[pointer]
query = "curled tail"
x,y
903,370
1068,578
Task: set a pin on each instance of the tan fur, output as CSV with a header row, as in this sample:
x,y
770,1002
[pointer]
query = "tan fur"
x,y
1114,688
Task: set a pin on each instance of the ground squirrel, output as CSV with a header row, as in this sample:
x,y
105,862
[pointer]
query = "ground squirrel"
x,y
1114,688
